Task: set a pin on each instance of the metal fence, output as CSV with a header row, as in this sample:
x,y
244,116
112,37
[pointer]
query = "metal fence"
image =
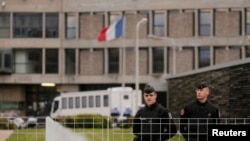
x,y
106,128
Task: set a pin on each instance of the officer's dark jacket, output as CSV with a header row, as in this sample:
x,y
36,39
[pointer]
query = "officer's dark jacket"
x,y
197,115
153,123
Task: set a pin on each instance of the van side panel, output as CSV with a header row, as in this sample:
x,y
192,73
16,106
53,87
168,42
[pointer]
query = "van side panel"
x,y
97,102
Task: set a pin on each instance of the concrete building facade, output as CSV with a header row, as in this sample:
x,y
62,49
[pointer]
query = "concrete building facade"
x,y
55,41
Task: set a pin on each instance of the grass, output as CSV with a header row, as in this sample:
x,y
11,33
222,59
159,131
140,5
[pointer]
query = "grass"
x,y
29,134
116,134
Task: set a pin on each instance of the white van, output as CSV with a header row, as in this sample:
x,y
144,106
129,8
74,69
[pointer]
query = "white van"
x,y
113,101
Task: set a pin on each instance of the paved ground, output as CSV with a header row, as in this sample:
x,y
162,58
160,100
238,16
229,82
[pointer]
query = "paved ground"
x,y
4,134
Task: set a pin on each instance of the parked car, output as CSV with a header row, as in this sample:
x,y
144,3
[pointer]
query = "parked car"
x,y
24,122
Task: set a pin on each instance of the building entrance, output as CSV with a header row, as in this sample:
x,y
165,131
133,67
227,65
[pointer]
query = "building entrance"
x,y
38,100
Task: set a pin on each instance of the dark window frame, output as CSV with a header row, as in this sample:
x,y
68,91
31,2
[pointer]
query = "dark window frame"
x,y
158,23
70,61
34,61
5,25
248,22
113,60
52,25
204,56
27,25
204,23
70,26
51,61
158,59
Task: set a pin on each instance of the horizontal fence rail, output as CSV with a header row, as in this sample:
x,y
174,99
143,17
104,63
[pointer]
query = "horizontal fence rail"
x,y
114,128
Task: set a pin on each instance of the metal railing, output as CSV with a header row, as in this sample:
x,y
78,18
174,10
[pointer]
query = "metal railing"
x,y
109,128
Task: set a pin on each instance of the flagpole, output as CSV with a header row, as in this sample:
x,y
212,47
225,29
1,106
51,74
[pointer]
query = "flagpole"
x,y
124,54
143,20
123,64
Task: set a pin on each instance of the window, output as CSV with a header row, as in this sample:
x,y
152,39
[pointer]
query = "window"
x,y
51,61
84,102
6,61
1,59
204,24
248,23
77,102
70,25
70,61
113,58
28,60
52,25
158,60
126,97
204,57
97,101
64,103
105,100
56,106
91,101
247,51
27,25
4,25
70,102
158,28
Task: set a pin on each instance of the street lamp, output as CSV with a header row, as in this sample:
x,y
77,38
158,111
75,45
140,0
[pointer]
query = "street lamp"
x,y
143,20
173,47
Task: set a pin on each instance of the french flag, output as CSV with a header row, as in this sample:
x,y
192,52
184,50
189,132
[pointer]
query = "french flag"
x,y
115,30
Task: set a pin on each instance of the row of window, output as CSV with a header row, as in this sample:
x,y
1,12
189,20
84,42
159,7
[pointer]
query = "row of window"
x,y
207,21
31,24
28,61
85,102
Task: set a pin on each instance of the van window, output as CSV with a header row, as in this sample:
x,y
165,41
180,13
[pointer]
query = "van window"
x,y
64,103
71,103
91,101
97,101
55,108
125,97
84,102
105,100
77,102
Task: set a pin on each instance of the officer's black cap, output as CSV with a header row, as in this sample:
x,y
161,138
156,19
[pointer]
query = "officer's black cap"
x,y
149,89
202,85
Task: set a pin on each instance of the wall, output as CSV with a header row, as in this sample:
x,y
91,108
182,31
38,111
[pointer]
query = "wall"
x,y
223,55
181,25
11,93
230,90
130,62
91,62
227,24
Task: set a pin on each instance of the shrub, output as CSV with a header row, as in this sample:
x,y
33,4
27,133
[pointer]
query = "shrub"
x,y
6,124
87,121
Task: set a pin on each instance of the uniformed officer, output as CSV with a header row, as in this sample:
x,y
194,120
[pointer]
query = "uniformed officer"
x,y
196,115
153,122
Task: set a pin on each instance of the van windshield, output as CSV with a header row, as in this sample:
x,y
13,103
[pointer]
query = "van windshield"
x,y
56,105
